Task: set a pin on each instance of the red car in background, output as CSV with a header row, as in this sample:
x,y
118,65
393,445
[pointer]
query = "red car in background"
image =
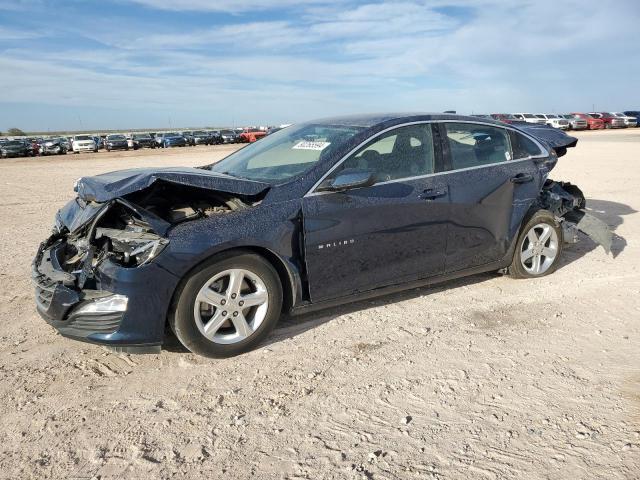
x,y
592,122
250,135
610,120
504,117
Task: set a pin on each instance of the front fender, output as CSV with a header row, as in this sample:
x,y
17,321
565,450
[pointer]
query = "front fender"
x,y
273,230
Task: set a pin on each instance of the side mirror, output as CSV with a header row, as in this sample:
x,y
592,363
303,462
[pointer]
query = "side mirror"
x,y
347,180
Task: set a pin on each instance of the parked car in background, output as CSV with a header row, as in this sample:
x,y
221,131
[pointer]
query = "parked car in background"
x,y
575,123
171,139
199,137
188,137
629,120
15,148
53,146
83,143
504,117
142,140
593,123
529,118
228,136
216,137
117,142
610,121
33,146
635,114
250,135
555,121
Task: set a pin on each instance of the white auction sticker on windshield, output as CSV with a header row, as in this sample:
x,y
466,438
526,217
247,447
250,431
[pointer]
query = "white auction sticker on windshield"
x,y
307,145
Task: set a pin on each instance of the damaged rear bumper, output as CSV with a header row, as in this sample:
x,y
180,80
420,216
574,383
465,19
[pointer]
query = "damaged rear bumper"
x,y
567,202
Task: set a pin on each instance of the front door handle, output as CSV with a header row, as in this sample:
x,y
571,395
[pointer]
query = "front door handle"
x,y
433,193
522,178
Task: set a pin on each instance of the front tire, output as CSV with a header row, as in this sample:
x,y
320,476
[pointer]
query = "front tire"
x,y
539,247
228,306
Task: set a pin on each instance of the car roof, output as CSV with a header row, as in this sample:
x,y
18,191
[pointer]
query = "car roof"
x,y
371,120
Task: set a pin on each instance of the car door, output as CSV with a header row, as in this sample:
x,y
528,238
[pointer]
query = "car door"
x,y
387,233
490,191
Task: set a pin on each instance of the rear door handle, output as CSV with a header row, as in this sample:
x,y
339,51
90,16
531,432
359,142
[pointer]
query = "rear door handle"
x,y
522,178
433,193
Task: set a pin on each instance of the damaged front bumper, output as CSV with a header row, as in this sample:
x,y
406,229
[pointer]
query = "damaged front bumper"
x,y
99,298
125,308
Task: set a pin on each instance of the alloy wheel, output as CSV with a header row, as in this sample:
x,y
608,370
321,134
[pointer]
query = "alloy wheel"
x,y
231,306
539,249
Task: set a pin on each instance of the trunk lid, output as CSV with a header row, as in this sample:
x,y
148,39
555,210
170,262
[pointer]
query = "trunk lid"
x,y
554,138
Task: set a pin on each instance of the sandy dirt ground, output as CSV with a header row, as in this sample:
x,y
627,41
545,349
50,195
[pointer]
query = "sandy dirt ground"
x,y
486,377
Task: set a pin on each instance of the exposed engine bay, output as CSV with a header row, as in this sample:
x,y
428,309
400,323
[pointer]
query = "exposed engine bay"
x,y
130,231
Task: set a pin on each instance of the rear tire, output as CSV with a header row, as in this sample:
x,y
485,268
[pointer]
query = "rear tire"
x,y
223,325
539,247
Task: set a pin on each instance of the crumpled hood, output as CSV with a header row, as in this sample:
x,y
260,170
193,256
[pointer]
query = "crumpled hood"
x,y
553,137
105,187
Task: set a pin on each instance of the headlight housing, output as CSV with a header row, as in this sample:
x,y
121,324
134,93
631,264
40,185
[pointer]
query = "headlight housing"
x,y
110,304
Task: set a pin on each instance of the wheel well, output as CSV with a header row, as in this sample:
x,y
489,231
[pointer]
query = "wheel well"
x,y
272,258
283,274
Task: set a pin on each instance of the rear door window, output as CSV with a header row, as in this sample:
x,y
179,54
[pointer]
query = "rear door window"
x,y
474,145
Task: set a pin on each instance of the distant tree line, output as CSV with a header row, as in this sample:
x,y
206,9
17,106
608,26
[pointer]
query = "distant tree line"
x,y
15,132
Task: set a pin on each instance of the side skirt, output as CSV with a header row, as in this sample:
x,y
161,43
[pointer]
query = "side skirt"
x,y
307,307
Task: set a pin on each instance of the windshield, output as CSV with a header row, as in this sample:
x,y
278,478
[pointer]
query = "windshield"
x,y
141,136
552,116
286,153
528,115
228,132
116,137
83,137
14,143
199,134
171,135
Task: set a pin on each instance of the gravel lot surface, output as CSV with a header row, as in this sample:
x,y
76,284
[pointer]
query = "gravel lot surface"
x,y
485,377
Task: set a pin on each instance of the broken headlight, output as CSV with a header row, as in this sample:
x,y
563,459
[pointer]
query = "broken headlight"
x,y
131,248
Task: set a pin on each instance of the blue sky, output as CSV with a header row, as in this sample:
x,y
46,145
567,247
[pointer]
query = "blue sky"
x,y
82,64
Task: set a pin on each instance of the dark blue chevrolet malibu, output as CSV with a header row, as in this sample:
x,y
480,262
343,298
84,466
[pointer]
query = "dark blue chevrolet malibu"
x,y
317,214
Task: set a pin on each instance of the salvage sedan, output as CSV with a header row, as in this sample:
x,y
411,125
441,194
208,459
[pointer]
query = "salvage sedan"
x,y
317,214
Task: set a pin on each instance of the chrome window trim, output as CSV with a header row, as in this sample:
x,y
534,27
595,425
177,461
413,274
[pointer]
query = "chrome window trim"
x,y
543,154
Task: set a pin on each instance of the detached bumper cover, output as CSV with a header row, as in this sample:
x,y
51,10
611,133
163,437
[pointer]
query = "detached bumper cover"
x,y
567,202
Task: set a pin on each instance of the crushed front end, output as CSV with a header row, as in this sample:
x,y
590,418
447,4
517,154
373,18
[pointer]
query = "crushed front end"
x,y
100,276
97,282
